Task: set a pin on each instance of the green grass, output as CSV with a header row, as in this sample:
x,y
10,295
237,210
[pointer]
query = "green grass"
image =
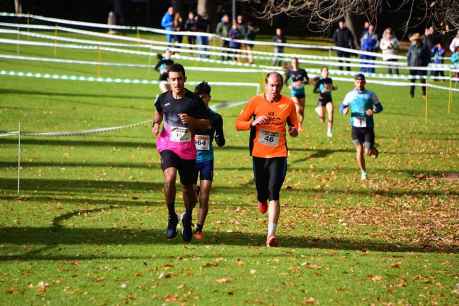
x,y
88,225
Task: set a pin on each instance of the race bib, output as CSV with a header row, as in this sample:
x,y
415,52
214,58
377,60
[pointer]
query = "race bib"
x,y
202,142
180,134
359,121
268,138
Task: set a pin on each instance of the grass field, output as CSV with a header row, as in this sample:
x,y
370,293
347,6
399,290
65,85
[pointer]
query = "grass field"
x,y
88,226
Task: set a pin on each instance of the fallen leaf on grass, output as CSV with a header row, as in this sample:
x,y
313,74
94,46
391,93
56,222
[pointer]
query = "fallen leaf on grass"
x,y
223,280
42,287
11,290
396,265
375,278
311,265
309,301
170,298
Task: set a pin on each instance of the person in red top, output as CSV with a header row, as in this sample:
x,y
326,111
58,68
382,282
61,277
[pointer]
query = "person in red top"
x,y
266,116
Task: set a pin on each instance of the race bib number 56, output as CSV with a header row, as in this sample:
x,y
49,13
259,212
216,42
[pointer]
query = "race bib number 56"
x,y
268,138
180,134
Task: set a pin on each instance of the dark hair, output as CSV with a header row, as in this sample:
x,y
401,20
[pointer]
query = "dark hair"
x,y
202,88
274,73
359,76
176,68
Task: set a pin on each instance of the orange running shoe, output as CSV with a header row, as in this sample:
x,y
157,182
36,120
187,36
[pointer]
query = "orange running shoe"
x,y
263,207
272,242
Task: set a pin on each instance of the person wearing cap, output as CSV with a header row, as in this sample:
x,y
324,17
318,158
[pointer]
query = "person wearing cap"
x,y
418,56
204,167
363,104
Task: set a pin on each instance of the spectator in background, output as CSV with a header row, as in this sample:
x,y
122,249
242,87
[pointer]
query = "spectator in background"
x,y
191,26
167,22
388,45
418,56
178,27
251,35
455,61
223,28
366,25
369,43
234,34
428,40
203,40
279,38
343,38
437,56
454,43
164,62
243,28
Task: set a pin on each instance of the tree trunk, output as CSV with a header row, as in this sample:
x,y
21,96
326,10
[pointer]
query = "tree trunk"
x,y
208,9
18,6
351,25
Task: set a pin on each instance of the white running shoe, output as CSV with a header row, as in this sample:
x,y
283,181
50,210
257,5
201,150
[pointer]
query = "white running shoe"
x,y
329,133
363,176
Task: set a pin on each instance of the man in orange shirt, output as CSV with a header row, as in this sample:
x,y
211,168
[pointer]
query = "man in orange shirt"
x,y
266,116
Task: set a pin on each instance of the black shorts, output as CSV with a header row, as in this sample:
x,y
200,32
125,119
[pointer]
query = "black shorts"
x,y
269,176
185,167
363,135
323,100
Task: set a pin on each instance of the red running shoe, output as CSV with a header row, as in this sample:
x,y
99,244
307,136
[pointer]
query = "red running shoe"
x,y
272,242
198,235
263,207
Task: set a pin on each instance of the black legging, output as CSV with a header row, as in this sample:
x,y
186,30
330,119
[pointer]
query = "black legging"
x,y
269,176
422,74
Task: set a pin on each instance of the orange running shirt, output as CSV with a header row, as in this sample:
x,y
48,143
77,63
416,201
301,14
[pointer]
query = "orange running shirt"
x,y
268,140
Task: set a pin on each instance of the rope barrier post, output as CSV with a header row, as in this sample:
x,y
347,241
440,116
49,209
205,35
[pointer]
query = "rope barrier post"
x,y
19,156
149,60
17,45
427,99
55,40
98,62
450,94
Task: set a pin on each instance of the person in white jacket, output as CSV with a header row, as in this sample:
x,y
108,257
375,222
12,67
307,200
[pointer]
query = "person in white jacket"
x,y
389,45
454,43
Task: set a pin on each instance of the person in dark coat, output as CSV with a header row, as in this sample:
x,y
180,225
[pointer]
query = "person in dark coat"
x,y
343,38
418,56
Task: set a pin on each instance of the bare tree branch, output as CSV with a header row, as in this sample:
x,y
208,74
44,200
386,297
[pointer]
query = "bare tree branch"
x,y
321,14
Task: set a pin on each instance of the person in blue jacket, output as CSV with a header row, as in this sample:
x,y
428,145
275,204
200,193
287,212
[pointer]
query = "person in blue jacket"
x,y
167,22
369,42
362,104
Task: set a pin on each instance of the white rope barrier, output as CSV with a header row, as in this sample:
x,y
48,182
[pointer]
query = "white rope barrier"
x,y
362,63
159,31
208,69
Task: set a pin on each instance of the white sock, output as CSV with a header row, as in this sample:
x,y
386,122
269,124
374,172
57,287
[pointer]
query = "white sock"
x,y
272,229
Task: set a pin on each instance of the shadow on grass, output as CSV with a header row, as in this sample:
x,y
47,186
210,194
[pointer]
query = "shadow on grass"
x,y
115,187
55,236
110,142
88,164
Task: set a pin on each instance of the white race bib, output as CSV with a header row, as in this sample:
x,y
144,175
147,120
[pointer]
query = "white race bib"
x,y
268,138
202,142
359,121
180,134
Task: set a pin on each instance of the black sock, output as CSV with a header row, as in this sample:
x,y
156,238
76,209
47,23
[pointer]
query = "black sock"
x,y
199,227
171,210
